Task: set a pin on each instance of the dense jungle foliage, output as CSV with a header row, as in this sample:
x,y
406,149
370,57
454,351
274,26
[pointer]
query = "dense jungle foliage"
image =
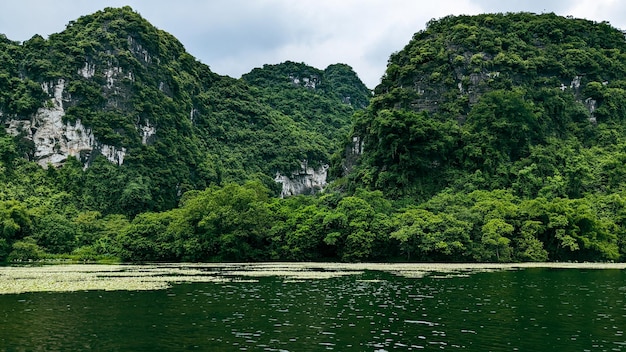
x,y
498,137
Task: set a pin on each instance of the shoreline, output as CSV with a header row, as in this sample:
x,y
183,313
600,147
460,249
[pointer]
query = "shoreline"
x,y
160,276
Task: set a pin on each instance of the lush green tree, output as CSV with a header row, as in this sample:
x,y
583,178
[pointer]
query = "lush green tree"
x,y
238,216
572,229
15,224
144,238
529,247
500,127
55,233
404,149
26,250
300,232
496,233
419,233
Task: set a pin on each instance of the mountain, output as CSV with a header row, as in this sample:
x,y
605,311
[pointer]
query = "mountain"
x,y
309,96
491,138
478,101
112,118
507,133
116,96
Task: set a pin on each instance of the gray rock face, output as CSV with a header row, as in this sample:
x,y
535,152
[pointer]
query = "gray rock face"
x,y
307,82
307,180
55,140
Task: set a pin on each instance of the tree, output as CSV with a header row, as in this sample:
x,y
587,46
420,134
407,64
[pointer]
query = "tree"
x,y
358,238
136,196
8,151
528,247
144,239
26,250
55,233
504,126
408,150
15,224
238,216
495,233
429,236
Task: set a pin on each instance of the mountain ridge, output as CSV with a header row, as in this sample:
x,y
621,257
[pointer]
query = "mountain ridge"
x,y
116,86
491,138
447,69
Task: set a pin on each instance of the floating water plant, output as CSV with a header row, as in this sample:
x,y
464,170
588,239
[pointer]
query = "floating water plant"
x,y
77,277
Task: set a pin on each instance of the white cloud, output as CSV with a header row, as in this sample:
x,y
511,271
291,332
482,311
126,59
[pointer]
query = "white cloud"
x,y
361,34
612,11
234,36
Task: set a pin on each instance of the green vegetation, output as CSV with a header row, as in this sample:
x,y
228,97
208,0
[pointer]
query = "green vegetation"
x,y
505,132
492,138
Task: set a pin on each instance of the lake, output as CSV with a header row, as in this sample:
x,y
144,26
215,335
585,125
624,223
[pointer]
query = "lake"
x,y
313,307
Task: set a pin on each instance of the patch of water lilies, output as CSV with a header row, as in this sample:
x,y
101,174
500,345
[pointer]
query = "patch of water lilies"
x,y
77,277
74,277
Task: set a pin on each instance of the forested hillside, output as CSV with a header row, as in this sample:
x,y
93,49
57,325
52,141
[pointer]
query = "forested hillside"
x,y
112,117
315,106
498,137
513,125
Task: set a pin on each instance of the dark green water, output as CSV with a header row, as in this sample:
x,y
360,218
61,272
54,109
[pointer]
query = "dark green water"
x,y
524,310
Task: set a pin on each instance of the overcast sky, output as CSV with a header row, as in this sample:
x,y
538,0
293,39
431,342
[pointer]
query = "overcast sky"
x,y
235,36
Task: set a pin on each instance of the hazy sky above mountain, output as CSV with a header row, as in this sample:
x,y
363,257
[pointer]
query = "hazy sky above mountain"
x,y
235,36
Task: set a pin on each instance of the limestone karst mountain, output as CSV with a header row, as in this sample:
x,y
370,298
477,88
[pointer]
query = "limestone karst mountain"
x,y
479,101
497,137
112,88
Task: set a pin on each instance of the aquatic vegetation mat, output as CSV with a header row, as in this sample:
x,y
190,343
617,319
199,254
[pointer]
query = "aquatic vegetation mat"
x,y
76,277
63,278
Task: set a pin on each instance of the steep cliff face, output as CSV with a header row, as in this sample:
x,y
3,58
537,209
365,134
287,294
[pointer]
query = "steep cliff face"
x,y
336,81
96,78
445,70
54,139
307,180
109,88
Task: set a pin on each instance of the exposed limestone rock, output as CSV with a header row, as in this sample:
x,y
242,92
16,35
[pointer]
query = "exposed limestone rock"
x,y
575,83
352,153
88,70
138,50
357,145
307,82
591,105
147,131
113,154
307,180
111,75
55,141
